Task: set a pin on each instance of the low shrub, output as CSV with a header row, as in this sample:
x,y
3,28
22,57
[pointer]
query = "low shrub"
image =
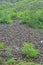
x,y
7,15
24,16
29,51
32,18
37,19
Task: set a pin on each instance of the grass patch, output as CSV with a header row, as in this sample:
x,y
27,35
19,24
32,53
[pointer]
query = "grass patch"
x,y
29,51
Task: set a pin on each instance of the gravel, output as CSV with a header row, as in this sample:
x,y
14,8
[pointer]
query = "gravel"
x,y
16,34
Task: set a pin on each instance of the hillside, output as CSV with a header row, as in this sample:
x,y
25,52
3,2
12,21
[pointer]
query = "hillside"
x,y
21,32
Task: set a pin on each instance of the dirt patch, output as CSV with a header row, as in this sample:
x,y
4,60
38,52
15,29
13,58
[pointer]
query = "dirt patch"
x,y
15,34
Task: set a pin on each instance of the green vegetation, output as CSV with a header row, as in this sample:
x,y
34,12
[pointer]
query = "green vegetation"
x,y
21,62
33,19
10,61
1,59
8,51
38,18
27,63
1,45
29,51
6,16
28,11
24,16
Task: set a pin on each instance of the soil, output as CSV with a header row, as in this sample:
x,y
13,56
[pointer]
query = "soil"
x,y
15,34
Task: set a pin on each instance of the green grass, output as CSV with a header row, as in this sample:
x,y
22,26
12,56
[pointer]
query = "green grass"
x,y
29,51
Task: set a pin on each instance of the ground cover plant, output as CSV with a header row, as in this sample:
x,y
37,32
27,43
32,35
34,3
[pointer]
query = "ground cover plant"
x,y
29,51
1,45
27,63
10,61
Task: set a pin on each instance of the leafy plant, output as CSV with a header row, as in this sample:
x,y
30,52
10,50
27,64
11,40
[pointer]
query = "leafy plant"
x,y
4,17
39,18
10,61
1,45
32,18
29,51
7,15
24,16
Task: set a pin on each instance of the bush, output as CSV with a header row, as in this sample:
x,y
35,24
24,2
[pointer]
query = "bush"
x,y
32,18
29,51
7,15
37,19
24,16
